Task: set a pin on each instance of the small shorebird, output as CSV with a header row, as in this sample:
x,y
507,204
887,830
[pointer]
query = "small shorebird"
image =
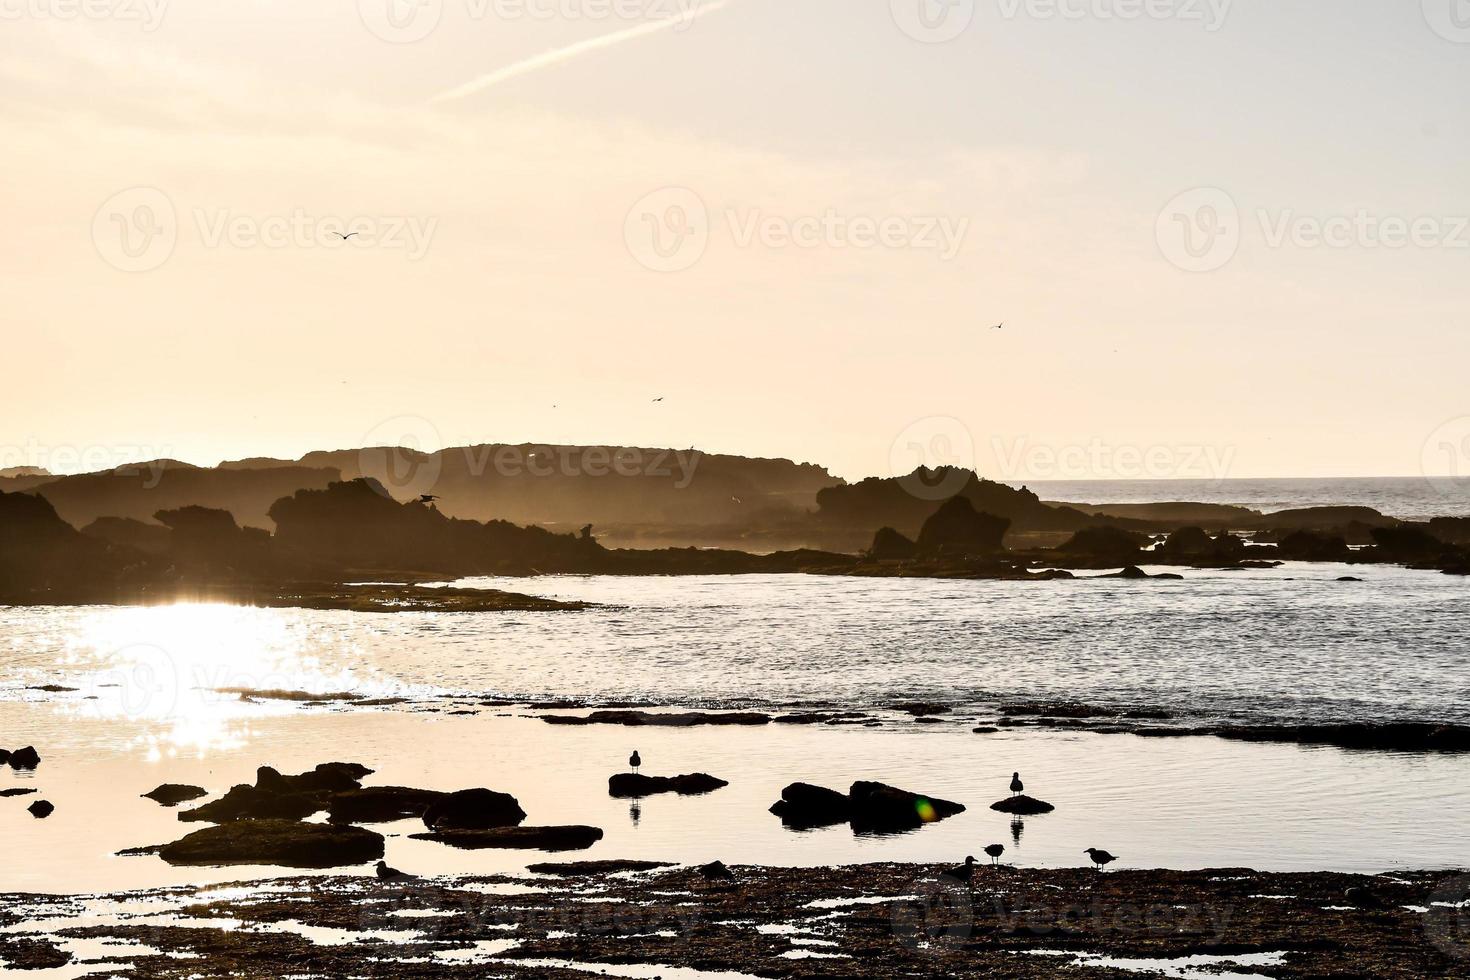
x,y
635,760
386,873
1100,857
964,872
1016,784
995,851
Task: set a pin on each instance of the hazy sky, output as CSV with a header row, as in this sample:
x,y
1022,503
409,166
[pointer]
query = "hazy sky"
x,y
796,220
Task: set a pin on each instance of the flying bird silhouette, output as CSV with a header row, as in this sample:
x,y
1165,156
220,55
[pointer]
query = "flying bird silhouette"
x,y
346,236
659,399
999,326
427,498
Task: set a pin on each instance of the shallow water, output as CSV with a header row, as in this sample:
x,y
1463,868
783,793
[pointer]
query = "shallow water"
x,y
147,710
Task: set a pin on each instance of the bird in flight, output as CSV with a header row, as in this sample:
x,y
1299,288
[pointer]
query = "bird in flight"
x,y
999,326
346,236
659,398
427,498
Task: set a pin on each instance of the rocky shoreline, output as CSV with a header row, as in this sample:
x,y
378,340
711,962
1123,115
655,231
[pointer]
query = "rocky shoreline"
x,y
872,921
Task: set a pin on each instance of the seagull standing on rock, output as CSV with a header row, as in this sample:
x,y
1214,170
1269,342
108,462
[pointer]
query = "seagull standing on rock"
x,y
635,760
1100,857
1016,785
995,851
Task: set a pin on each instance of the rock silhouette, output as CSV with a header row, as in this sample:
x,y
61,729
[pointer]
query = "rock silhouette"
x,y
631,784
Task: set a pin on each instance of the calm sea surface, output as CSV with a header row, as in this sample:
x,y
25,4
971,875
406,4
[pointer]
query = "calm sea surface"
x,y
149,706
1408,498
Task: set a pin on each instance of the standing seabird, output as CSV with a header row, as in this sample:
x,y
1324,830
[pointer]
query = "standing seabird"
x,y
1016,785
995,851
964,872
1100,857
386,873
635,760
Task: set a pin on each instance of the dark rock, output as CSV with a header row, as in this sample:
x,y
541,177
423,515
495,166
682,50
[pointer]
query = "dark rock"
x,y
958,529
41,809
146,851
172,794
22,953
285,843
890,545
819,717
1055,709
590,869
631,784
879,808
26,758
805,805
17,791
1310,546
51,688
1112,543
473,809
1022,805
525,838
673,720
1389,736
249,803
329,777
380,804
920,709
1349,578
985,730
4,756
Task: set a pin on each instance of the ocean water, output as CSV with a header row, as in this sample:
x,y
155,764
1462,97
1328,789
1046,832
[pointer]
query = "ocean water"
x,y
1407,498
154,698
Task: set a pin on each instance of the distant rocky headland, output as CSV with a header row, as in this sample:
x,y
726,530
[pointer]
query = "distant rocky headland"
x,y
276,532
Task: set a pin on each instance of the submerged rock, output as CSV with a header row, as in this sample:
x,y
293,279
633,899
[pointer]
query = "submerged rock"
x,y
1023,805
586,869
684,719
631,784
18,791
286,843
380,804
573,838
41,809
473,809
329,777
172,794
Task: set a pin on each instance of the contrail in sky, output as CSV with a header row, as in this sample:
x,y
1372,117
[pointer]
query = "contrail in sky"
x,y
560,55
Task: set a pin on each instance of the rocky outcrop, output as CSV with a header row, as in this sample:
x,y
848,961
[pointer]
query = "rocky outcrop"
x,y
870,807
41,809
589,869
572,838
172,794
1110,543
1193,543
380,804
26,758
244,802
1022,805
957,529
286,843
473,809
633,784
1310,546
890,545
